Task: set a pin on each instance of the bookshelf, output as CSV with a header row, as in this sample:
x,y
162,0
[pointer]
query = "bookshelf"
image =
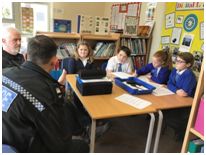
x,y
104,46
191,133
66,42
61,38
139,46
93,39
111,41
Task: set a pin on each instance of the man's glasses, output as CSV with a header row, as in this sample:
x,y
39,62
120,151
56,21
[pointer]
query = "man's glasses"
x,y
179,61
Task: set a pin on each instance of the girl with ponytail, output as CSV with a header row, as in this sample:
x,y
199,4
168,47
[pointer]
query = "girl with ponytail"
x,y
159,69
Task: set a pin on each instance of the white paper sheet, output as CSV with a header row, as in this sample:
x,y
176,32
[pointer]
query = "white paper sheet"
x,y
145,79
133,101
105,79
162,91
121,75
132,9
176,34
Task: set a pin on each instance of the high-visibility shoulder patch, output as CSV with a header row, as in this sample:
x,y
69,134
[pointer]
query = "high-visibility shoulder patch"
x,y
8,97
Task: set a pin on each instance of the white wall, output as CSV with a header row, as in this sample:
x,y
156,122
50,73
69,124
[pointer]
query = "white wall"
x,y
70,10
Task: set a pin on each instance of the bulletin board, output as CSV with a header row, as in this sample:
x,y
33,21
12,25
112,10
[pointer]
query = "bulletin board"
x,y
183,29
120,11
27,20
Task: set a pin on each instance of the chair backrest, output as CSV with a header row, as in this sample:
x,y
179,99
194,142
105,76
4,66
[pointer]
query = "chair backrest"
x,y
8,149
64,64
103,66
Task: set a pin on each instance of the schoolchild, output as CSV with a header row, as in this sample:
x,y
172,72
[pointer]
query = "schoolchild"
x,y
83,59
120,62
159,69
182,80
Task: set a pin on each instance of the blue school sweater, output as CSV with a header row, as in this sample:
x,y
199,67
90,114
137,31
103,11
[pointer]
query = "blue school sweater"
x,y
186,81
162,76
72,66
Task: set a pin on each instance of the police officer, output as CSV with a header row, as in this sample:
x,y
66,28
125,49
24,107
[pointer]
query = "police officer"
x,y
35,117
11,43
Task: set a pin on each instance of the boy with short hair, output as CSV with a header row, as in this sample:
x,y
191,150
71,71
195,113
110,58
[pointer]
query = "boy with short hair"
x,y
121,62
182,80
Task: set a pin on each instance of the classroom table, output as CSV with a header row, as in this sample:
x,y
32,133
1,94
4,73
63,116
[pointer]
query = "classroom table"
x,y
106,106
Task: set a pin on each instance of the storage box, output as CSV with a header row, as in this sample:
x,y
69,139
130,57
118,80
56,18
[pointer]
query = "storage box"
x,y
199,123
134,86
195,145
94,88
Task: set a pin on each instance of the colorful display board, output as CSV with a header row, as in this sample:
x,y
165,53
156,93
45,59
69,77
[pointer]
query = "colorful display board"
x,y
183,29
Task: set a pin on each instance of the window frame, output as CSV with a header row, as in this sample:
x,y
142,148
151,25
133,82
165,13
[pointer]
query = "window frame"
x,y
10,20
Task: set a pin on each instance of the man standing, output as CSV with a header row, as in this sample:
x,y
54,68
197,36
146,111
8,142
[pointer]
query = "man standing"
x,y
35,117
11,42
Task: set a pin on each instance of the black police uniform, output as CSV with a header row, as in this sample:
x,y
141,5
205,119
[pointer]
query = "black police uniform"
x,y
35,117
9,60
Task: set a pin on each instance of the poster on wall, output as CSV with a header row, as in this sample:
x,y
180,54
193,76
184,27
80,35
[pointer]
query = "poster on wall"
x,y
165,40
176,34
189,6
120,11
27,20
61,25
190,22
186,42
202,30
179,19
130,25
150,12
170,20
85,24
101,25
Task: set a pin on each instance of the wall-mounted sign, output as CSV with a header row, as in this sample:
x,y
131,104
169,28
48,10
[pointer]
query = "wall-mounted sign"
x,y
190,22
186,43
61,25
190,6
170,20
176,34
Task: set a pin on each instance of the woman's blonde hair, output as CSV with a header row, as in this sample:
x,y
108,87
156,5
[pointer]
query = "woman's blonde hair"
x,y
165,56
90,54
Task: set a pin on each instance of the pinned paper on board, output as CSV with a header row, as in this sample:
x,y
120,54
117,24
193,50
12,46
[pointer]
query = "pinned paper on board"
x,y
130,27
202,30
165,39
186,43
179,19
176,33
170,18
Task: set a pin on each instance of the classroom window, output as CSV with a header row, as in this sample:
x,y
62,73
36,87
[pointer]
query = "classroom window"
x,y
7,14
7,10
34,17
